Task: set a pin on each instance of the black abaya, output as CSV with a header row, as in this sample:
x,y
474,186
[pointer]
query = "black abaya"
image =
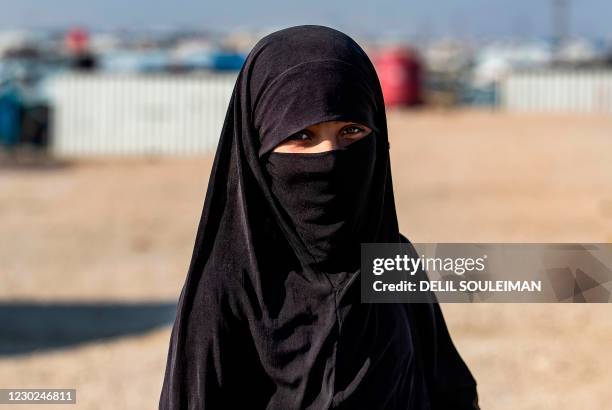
x,y
270,314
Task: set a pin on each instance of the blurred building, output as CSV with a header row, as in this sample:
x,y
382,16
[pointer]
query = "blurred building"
x,y
144,72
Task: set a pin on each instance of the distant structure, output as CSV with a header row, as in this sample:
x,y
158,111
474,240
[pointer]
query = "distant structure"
x,y
401,76
77,44
559,90
129,114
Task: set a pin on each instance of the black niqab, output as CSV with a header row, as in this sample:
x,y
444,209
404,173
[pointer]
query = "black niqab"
x,y
326,196
270,314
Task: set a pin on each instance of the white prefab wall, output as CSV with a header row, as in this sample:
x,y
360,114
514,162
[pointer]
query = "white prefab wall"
x,y
579,91
136,114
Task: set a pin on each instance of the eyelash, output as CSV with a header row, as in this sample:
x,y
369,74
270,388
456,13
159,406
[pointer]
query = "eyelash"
x,y
296,136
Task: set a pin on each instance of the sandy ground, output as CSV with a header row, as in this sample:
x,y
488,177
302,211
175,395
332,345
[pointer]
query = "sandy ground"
x,y
122,230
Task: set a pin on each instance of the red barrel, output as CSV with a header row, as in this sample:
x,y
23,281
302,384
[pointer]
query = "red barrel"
x,y
77,40
401,75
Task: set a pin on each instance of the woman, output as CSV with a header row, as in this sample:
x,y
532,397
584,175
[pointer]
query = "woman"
x,y
270,313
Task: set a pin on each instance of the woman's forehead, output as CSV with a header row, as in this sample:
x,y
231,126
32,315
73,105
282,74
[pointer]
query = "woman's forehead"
x,y
332,123
326,90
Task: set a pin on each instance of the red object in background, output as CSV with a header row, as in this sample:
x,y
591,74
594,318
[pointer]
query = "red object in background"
x,y
400,72
77,40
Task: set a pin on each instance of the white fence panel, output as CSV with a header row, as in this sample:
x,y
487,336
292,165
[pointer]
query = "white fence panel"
x,y
132,114
579,91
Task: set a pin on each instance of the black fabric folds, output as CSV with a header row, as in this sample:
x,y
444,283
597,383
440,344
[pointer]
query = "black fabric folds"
x,y
269,316
325,195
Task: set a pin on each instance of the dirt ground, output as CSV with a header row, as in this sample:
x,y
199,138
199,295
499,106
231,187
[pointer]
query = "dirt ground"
x,y
123,230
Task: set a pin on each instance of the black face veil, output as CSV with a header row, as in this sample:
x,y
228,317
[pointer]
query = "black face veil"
x,y
270,309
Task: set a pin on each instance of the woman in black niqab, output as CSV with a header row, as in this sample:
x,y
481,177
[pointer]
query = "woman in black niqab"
x,y
270,316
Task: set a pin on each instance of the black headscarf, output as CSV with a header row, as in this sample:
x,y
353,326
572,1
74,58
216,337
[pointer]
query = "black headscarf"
x,y
270,314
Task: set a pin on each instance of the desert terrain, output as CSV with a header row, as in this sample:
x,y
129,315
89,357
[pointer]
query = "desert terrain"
x,y
120,232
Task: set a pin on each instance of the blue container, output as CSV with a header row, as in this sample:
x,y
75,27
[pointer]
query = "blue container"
x,y
227,61
10,116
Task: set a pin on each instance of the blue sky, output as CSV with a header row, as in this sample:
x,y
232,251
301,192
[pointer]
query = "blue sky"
x,y
464,18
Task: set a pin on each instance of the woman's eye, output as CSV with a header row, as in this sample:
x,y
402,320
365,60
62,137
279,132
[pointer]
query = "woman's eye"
x,y
353,129
300,136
